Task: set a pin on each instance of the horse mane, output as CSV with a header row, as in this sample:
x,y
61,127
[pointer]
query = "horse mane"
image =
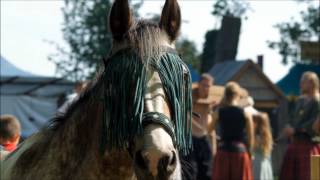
x,y
88,94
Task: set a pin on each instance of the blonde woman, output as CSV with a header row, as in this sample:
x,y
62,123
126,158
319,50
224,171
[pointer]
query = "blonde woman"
x,y
262,168
301,128
233,160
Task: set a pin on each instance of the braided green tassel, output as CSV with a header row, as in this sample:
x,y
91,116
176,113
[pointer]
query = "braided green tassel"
x,y
176,80
125,85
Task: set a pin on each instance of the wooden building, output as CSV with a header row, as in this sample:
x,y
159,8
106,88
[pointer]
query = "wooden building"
x,y
250,76
267,96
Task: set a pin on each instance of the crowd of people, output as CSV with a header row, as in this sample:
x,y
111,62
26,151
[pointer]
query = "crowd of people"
x,y
233,140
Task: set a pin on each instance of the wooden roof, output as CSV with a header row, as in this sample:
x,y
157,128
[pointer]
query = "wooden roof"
x,y
250,76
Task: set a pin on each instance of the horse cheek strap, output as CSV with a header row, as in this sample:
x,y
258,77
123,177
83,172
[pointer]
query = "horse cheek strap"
x,y
161,119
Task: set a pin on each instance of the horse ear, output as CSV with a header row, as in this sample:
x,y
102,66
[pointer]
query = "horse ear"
x,y
171,19
120,18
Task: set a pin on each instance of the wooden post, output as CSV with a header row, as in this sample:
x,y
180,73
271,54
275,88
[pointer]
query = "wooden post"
x,y
315,167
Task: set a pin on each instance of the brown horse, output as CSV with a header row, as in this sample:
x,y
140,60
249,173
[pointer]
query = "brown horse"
x,y
131,122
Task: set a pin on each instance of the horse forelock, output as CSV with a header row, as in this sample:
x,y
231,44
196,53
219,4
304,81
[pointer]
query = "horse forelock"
x,y
146,37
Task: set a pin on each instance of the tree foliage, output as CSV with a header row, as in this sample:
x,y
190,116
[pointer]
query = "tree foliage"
x,y
234,8
188,51
295,31
85,29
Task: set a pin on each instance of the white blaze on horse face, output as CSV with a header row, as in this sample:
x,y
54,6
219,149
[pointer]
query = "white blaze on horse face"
x,y
157,141
155,98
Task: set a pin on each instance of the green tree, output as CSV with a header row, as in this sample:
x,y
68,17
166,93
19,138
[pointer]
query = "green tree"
x,y
85,29
234,8
187,49
307,28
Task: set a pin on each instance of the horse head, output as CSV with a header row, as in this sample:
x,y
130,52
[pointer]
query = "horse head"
x,y
159,100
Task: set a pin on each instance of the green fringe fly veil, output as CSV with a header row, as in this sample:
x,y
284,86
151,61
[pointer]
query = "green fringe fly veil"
x,y
125,81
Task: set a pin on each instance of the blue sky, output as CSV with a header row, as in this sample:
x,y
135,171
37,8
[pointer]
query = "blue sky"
x,y
26,25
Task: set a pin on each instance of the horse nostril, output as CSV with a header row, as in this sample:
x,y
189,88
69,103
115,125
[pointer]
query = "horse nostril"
x,y
168,163
173,159
140,161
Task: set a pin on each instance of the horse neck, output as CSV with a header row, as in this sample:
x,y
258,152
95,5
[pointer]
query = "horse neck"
x,y
72,149
82,128
81,138
68,150
77,140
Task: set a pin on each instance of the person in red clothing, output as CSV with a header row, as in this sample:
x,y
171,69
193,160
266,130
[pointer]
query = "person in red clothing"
x,y
10,132
302,129
233,159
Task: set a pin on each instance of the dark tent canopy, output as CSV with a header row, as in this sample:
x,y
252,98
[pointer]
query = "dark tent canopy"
x,y
29,97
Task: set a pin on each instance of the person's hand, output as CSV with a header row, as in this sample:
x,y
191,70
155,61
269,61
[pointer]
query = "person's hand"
x,y
288,131
316,126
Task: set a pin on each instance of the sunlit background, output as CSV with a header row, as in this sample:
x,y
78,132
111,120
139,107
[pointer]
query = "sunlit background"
x,y
26,26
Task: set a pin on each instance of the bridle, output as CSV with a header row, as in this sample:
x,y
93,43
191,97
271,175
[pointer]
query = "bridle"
x,y
160,119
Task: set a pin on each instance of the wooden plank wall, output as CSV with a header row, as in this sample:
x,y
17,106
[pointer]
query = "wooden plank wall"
x,y
315,167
